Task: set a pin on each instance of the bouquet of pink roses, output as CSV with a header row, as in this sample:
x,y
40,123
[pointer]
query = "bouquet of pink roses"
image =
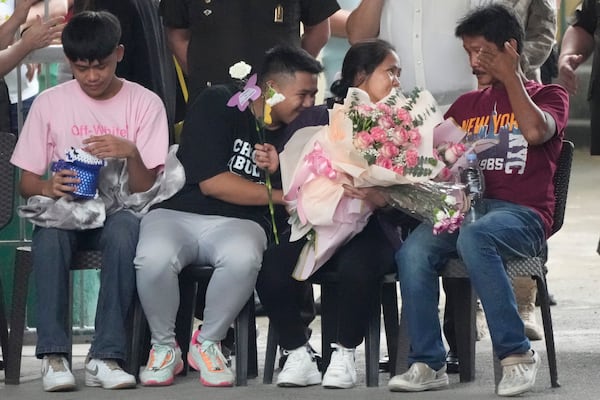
x,y
365,144
400,144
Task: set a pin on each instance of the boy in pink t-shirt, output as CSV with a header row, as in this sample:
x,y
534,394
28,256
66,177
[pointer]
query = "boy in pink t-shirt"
x,y
110,118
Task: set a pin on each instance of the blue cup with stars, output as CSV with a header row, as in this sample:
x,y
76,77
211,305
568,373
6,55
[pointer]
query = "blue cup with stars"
x,y
87,168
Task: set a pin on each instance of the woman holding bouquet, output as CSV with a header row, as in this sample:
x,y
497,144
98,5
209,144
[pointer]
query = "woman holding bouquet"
x,y
372,66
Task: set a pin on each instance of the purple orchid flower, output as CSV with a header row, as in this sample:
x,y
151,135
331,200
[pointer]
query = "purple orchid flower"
x,y
242,99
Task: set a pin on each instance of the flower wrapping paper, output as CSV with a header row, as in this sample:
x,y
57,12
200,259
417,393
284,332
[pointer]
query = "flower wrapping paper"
x,y
316,163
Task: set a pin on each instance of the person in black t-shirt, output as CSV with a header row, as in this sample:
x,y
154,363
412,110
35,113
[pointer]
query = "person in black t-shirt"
x,y
207,37
360,264
220,217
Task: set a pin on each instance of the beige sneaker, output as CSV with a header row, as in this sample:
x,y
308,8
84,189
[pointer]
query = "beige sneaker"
x,y
518,373
418,378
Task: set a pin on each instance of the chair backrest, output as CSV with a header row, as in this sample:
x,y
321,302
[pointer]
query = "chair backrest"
x,y
562,177
7,178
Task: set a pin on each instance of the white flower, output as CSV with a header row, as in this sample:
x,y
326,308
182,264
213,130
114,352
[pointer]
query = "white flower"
x,y
440,215
239,70
275,99
450,200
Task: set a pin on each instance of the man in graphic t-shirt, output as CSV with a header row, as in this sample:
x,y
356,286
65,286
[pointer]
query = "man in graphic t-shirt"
x,y
219,218
528,120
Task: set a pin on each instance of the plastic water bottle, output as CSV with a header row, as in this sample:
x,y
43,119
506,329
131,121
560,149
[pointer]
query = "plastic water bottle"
x,y
472,177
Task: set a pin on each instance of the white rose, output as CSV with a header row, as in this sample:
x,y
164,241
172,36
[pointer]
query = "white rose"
x,y
275,99
239,70
450,200
440,215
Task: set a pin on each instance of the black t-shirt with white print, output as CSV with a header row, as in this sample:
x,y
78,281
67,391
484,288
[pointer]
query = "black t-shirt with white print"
x,y
216,139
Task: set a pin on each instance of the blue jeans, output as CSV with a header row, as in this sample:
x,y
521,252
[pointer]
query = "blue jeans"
x,y
52,250
506,231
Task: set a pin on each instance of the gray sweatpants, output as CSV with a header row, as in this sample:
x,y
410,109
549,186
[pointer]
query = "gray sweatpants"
x,y
169,241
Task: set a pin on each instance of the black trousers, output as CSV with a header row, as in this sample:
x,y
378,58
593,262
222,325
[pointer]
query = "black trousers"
x,y
361,263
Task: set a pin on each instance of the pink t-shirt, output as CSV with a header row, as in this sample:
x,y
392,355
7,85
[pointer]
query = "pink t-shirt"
x,y
63,116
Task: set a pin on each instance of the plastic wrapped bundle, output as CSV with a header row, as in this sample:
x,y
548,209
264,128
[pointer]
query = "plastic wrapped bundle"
x,y
442,204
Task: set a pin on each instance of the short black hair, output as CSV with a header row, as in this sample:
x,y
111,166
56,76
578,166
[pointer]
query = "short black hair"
x,y
362,58
91,36
284,59
495,22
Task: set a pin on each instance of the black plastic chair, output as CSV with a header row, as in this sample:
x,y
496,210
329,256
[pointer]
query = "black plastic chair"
x,y
7,203
82,260
463,296
194,279
389,301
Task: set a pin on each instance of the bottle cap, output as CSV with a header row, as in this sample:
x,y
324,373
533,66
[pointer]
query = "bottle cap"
x,y
471,156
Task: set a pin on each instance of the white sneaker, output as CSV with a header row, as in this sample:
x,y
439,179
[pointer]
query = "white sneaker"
x,y
164,362
56,376
418,378
207,358
341,372
107,374
518,373
300,369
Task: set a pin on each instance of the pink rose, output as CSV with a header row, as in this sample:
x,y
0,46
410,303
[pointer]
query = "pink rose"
x,y
364,109
454,152
384,162
363,140
399,169
445,174
378,134
415,137
440,226
396,138
412,158
385,121
389,150
404,116
401,135
386,109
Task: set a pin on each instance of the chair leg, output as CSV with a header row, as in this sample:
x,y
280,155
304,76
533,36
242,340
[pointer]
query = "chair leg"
x,y
548,331
3,327
464,324
68,322
328,324
403,345
12,359
270,355
372,339
139,338
185,318
389,303
497,369
241,344
252,350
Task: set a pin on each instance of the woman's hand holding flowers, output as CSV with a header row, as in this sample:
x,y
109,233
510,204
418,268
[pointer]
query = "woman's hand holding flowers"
x,y
369,194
